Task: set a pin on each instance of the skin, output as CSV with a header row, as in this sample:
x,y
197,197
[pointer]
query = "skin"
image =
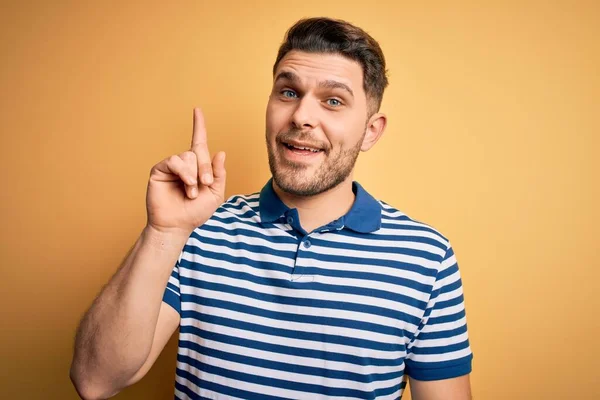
x,y
458,388
128,325
126,328
318,101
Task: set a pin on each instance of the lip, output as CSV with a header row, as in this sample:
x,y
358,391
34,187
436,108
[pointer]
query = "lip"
x,y
300,144
297,156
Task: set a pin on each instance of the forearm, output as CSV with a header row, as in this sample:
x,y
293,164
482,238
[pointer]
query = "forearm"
x,y
458,388
115,336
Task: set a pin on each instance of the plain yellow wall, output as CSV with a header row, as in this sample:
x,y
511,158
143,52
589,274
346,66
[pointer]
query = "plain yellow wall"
x,y
492,138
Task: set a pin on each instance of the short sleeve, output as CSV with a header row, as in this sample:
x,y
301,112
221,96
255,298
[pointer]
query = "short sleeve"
x,y
172,294
440,348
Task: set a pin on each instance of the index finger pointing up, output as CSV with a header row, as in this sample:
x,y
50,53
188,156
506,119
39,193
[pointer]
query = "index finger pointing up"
x,y
200,148
199,135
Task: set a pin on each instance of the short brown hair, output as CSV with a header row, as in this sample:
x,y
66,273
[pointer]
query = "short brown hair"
x,y
326,35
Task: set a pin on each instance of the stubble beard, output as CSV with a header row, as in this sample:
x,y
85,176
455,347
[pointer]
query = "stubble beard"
x,y
292,177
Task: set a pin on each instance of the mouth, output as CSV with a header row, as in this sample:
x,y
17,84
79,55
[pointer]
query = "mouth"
x,y
302,148
297,152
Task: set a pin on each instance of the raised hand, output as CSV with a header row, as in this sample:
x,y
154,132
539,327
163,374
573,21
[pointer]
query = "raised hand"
x,y
185,190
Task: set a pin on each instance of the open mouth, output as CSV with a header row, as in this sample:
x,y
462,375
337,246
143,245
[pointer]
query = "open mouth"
x,y
301,149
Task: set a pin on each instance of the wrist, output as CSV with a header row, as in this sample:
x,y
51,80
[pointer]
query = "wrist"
x,y
171,239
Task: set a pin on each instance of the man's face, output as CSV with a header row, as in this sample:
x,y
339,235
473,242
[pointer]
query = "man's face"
x,y
315,121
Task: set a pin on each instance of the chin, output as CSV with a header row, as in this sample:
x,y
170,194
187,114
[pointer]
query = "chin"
x,y
304,186
300,191
304,180
294,182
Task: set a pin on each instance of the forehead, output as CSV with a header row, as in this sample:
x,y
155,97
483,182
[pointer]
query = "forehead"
x,y
317,67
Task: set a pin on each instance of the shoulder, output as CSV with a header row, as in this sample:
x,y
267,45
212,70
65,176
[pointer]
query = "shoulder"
x,y
240,204
238,210
405,228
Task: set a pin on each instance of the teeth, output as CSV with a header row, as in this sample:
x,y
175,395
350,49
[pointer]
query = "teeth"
x,y
304,148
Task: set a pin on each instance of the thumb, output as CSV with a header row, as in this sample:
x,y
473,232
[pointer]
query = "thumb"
x,y
218,165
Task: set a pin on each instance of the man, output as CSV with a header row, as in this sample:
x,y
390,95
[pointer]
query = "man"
x,y
310,289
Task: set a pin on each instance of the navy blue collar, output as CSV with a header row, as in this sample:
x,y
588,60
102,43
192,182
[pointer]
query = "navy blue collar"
x,y
364,215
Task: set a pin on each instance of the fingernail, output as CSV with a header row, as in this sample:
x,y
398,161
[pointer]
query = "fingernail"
x,y
207,179
194,192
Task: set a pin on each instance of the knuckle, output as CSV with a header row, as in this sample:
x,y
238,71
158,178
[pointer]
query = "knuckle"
x,y
206,167
188,156
200,150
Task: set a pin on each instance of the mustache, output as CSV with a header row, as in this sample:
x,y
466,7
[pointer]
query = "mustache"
x,y
303,136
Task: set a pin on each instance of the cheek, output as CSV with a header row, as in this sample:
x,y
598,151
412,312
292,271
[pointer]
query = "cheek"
x,y
338,132
271,124
345,130
277,115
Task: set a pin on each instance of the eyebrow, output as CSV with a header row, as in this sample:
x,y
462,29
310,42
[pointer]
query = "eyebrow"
x,y
329,84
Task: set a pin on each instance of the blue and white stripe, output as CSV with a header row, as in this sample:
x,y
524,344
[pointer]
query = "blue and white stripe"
x,y
348,311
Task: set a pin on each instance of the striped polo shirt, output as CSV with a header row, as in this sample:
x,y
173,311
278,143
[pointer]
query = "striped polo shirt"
x,y
347,311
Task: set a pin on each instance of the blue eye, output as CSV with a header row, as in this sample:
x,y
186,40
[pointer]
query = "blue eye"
x,y
334,102
289,93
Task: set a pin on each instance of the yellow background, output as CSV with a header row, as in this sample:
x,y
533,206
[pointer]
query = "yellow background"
x,y
492,138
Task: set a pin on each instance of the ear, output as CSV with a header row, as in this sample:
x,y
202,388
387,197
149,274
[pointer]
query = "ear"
x,y
375,127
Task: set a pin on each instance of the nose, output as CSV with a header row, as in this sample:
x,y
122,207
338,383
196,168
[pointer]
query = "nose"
x,y
304,116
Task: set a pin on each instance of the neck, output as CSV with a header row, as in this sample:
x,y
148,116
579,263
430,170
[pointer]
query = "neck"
x,y
318,210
